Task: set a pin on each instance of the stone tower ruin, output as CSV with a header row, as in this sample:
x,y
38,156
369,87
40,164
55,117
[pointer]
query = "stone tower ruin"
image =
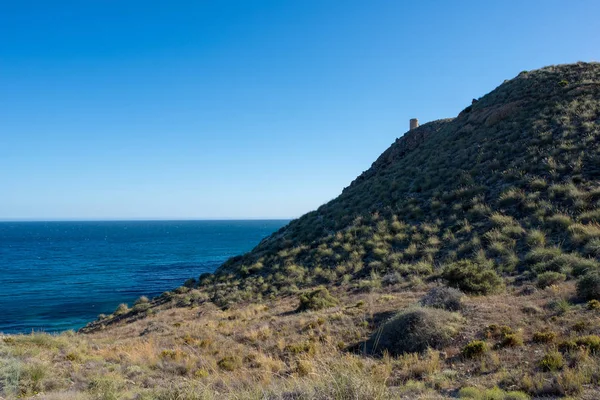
x,y
414,123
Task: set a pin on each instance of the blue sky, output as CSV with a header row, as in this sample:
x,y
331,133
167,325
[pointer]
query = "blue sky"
x,y
243,109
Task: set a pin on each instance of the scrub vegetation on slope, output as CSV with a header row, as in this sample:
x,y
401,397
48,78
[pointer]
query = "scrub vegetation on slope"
x,y
465,263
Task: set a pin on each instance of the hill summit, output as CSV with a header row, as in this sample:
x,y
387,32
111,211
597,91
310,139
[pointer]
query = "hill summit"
x,y
509,186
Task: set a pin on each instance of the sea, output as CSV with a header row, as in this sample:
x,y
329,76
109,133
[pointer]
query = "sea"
x,y
56,276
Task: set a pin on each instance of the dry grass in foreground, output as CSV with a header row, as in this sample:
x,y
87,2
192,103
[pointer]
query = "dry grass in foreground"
x,y
508,346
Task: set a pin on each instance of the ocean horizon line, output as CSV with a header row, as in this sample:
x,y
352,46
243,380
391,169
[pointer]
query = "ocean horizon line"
x,y
142,219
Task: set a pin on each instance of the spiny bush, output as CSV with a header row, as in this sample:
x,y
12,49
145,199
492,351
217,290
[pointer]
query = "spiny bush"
x,y
552,361
473,278
443,297
593,304
141,300
122,309
550,278
317,299
544,337
229,363
495,393
588,286
559,306
415,330
497,331
536,238
590,342
512,340
474,349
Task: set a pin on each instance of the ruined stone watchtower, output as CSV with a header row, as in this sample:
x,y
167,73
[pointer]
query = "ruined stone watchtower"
x,y
414,123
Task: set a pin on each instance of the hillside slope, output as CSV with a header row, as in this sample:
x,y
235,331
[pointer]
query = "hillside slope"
x,y
510,184
351,301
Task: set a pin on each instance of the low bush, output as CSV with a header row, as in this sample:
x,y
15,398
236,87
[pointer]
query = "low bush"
x,y
588,286
495,393
544,337
317,299
590,342
473,278
593,304
474,349
559,306
512,340
552,361
550,278
443,297
122,309
415,330
141,300
229,363
497,331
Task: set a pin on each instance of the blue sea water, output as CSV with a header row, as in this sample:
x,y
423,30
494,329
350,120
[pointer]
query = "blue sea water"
x,y
56,276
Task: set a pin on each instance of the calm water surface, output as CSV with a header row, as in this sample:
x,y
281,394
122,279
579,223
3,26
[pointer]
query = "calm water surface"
x,y
60,275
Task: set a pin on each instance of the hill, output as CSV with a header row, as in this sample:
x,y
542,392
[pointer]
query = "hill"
x,y
463,264
510,184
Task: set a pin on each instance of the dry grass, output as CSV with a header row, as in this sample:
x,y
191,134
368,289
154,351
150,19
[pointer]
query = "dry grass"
x,y
271,351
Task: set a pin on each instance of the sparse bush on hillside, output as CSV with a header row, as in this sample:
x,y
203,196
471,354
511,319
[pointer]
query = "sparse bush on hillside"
x,y
141,300
473,278
593,304
122,309
536,238
512,340
544,337
415,330
317,299
588,286
474,349
495,393
443,297
552,361
550,278
229,363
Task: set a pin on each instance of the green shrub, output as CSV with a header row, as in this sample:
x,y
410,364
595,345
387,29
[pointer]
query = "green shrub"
x,y
588,286
560,306
593,304
580,326
544,337
552,361
512,340
495,393
301,347
122,309
11,370
498,331
473,278
317,299
443,297
591,342
229,363
550,278
141,300
536,238
474,349
415,330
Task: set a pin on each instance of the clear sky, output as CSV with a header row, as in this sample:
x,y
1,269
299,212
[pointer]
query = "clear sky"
x,y
243,109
